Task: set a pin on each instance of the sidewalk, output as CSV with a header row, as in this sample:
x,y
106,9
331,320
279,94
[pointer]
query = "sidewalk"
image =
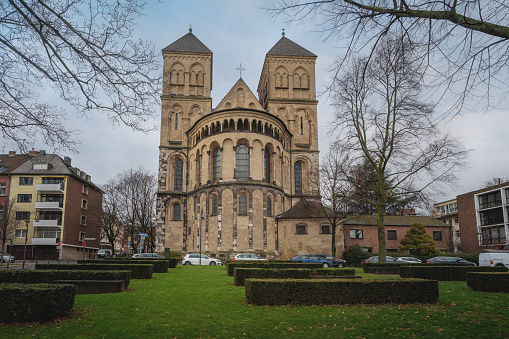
x,y
30,264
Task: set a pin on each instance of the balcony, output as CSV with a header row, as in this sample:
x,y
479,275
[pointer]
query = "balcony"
x,y
49,205
47,223
51,188
44,241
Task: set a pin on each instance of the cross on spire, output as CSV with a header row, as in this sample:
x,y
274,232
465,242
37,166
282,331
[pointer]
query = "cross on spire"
x,y
240,69
283,33
190,28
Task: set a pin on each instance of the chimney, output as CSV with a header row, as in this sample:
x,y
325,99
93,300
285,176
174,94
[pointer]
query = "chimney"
x,y
67,161
32,153
42,152
12,153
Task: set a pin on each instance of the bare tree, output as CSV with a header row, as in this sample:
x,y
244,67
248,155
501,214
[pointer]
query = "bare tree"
x,y
465,42
110,223
494,182
8,221
83,51
379,118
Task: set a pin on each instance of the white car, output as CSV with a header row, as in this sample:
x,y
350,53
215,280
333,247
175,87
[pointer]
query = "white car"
x,y
247,256
409,260
194,259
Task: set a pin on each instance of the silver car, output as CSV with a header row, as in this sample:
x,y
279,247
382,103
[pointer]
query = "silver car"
x,y
247,256
194,259
6,257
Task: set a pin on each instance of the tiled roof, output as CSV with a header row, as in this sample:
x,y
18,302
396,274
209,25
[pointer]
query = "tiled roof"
x,y
286,46
188,43
307,209
392,220
11,162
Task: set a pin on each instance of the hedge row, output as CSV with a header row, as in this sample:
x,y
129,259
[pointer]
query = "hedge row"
x,y
138,271
47,276
172,261
366,265
444,273
241,274
35,302
230,266
488,281
160,266
339,291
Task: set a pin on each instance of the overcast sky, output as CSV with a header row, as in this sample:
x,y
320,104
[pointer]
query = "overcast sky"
x,y
241,32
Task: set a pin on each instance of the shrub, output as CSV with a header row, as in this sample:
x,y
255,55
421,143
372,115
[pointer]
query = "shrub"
x,y
488,281
230,266
354,255
160,265
331,291
138,271
35,302
241,274
444,273
47,276
366,265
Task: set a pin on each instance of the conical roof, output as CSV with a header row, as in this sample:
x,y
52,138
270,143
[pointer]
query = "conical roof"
x,y
188,43
286,46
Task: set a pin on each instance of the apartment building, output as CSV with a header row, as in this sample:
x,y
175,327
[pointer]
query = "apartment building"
x,y
447,211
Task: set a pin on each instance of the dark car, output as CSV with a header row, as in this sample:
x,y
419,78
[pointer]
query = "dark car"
x,y
450,261
388,259
336,262
311,259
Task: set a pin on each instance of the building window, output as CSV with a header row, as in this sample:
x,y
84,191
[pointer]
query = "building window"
x,y
3,187
269,206
22,215
176,121
83,221
41,167
243,204
298,178
242,162
266,166
492,217
356,234
490,200
391,235
82,236
48,233
301,229
24,198
20,233
493,235
301,126
176,212
326,229
52,180
26,180
437,235
1,212
178,172
214,205
216,164
84,204
85,189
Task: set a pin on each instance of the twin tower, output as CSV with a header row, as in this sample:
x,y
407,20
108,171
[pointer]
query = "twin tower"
x,y
227,173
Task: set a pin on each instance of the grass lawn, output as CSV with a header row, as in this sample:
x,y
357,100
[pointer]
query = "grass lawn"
x,y
201,302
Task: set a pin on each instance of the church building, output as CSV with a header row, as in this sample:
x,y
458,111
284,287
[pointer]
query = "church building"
x,y
227,174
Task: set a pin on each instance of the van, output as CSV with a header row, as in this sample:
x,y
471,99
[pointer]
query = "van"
x,y
494,259
104,253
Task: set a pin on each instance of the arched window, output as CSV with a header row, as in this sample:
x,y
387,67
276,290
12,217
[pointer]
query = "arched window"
x,y
242,162
214,205
266,166
179,167
243,204
216,164
176,121
176,212
297,169
269,206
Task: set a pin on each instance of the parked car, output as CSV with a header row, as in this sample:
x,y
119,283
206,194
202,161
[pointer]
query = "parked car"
x,y
388,259
494,259
6,257
104,253
336,262
409,260
450,261
247,256
309,259
194,259
147,255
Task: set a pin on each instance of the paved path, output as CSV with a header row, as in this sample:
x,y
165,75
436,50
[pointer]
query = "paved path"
x,y
30,265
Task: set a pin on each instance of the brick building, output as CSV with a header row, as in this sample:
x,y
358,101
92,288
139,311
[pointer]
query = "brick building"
x,y
54,202
225,173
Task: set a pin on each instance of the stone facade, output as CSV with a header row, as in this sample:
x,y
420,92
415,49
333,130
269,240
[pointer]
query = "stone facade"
x,y
226,173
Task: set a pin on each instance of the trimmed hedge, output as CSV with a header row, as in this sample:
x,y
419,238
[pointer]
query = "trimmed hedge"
x,y
488,281
230,266
35,302
340,291
47,276
172,261
138,271
160,265
241,274
444,273
366,265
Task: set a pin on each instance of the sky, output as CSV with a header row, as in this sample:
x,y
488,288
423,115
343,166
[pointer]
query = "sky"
x,y
242,32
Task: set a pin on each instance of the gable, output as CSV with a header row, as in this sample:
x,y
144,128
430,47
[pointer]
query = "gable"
x,y
240,96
